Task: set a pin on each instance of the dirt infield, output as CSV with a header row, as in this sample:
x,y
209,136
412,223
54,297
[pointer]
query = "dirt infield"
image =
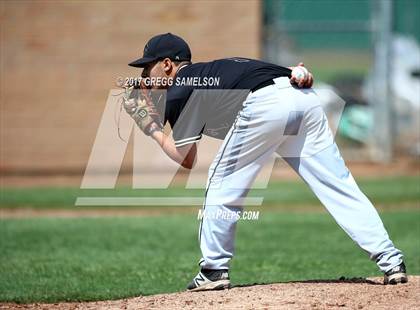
x,y
400,166
311,294
21,213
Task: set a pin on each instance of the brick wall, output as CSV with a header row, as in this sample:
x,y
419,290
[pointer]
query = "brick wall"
x,y
59,61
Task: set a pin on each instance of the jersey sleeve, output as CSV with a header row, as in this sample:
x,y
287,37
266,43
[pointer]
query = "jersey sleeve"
x,y
186,115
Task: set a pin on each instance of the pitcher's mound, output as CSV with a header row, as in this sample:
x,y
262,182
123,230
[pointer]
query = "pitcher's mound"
x,y
311,294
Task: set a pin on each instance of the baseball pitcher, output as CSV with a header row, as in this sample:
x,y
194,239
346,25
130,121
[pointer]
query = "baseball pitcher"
x,y
257,108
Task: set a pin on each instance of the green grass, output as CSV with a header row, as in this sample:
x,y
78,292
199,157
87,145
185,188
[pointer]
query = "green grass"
x,y
50,259
328,66
384,191
108,258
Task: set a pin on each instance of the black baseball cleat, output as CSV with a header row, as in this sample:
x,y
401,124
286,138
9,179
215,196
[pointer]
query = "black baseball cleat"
x,y
209,280
396,275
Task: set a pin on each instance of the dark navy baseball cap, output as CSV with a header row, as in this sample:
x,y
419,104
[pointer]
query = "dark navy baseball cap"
x,y
163,46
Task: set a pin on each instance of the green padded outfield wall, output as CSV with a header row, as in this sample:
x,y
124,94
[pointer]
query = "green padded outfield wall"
x,y
355,13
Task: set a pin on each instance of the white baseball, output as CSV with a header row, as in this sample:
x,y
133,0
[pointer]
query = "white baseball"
x,y
299,73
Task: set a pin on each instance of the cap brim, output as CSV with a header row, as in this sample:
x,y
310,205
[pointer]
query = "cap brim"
x,y
142,62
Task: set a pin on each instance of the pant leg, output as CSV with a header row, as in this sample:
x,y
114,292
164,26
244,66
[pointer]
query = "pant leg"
x,y
267,124
249,144
324,170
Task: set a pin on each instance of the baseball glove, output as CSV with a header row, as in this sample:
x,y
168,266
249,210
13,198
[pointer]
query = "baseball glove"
x,y
137,102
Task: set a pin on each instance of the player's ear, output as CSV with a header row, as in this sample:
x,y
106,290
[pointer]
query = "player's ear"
x,y
167,65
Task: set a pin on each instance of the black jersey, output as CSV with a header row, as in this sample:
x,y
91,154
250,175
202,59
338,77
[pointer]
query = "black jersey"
x,y
206,97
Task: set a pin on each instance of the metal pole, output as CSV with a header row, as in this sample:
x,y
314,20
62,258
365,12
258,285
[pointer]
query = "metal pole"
x,y
381,100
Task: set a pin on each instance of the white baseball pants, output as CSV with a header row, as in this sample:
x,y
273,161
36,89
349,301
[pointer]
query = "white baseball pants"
x,y
280,118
